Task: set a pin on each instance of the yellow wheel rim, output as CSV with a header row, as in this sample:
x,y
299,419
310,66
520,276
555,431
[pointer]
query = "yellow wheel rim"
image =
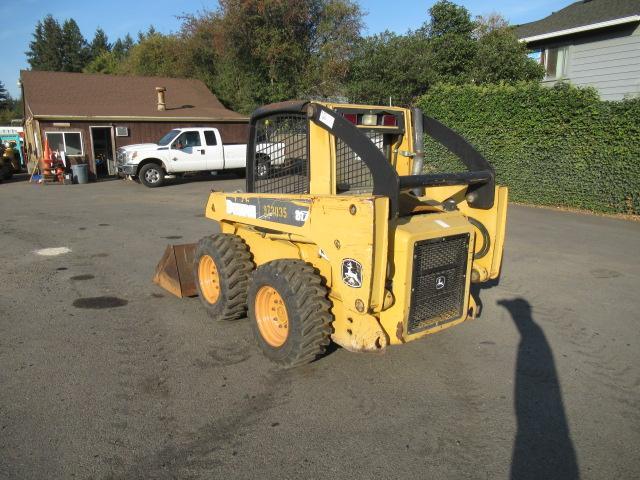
x,y
209,279
271,316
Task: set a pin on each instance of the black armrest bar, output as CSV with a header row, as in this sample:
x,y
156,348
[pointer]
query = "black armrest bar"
x,y
443,179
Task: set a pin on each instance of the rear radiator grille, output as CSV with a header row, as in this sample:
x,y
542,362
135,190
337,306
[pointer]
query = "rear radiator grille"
x,y
439,281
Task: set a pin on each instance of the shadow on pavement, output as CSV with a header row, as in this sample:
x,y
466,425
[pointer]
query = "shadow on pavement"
x,y
202,177
542,448
17,177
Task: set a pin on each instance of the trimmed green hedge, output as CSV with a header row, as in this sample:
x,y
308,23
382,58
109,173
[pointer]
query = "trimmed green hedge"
x,y
551,146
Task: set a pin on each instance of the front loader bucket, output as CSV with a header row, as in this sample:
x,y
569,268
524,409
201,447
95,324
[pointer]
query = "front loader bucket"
x,y
174,272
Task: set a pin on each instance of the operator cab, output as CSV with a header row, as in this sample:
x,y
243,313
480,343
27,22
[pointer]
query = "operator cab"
x,y
378,150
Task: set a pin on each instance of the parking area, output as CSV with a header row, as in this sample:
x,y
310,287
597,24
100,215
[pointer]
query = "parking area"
x,y
104,375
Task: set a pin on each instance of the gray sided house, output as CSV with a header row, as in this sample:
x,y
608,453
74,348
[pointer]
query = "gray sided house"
x,y
593,43
89,116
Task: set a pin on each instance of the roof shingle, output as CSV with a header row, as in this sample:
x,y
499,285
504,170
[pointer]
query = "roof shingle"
x,y
97,95
580,14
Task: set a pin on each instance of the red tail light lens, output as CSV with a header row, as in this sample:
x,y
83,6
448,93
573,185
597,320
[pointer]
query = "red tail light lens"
x,y
351,117
389,121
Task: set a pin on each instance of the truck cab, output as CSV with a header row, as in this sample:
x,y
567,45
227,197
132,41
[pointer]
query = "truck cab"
x,y
179,151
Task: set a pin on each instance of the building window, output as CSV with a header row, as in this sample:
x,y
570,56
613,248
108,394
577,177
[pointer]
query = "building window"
x,y
554,61
68,142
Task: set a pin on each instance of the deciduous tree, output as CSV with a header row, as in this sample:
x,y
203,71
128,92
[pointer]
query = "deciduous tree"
x,y
500,57
389,67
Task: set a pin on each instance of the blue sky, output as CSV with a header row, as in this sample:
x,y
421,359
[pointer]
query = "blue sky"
x,y
118,17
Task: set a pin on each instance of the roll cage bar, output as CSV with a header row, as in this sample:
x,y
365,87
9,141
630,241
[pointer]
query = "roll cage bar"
x,y
386,182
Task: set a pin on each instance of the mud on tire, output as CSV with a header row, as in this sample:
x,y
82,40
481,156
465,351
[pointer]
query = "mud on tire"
x,y
307,311
226,257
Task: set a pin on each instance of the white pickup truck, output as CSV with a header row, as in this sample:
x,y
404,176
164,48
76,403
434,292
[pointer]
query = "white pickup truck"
x,y
184,150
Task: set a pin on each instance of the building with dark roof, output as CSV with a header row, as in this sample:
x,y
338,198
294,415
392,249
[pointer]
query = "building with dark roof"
x,y
590,43
89,116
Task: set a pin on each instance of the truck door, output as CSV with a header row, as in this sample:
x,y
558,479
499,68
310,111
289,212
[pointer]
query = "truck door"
x,y
187,153
214,152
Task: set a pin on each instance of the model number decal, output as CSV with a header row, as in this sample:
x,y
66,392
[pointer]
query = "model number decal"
x,y
301,215
269,209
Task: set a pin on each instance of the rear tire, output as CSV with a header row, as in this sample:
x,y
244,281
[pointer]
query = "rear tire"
x,y
289,312
151,175
222,267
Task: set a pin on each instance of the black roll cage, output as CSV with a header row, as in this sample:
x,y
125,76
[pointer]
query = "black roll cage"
x,y
480,177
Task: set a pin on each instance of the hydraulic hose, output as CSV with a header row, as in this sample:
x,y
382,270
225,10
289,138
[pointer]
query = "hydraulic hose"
x,y
486,239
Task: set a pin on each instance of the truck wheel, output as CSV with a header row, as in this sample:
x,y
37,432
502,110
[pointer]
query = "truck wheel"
x,y
151,175
289,312
222,266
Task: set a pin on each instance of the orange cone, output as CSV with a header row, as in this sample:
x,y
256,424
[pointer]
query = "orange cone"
x,y
47,150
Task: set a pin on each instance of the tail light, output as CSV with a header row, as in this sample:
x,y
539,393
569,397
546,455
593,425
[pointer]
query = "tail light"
x,y
351,117
389,121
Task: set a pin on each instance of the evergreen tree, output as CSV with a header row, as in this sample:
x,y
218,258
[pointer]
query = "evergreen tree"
x,y
122,47
5,99
74,47
151,31
45,52
127,43
99,44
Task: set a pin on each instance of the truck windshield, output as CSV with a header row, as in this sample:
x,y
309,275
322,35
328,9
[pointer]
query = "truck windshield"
x,y
164,141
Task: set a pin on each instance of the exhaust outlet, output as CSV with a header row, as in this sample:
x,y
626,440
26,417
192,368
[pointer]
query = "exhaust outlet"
x,y
418,146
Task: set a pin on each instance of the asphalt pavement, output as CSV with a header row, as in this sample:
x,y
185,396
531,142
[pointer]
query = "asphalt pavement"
x,y
103,375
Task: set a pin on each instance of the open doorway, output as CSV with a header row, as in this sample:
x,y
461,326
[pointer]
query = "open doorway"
x,y
102,142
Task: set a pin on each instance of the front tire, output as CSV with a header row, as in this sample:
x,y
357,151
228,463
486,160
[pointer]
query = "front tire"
x,y
289,312
151,175
222,266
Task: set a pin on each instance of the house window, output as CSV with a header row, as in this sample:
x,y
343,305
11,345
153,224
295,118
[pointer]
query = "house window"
x,y
554,61
68,142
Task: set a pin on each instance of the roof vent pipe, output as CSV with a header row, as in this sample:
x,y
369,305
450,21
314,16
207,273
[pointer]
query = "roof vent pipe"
x,y
162,106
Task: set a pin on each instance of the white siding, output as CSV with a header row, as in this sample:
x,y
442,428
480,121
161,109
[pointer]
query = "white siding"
x,y
611,65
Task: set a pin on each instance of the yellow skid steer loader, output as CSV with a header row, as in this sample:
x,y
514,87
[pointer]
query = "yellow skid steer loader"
x,y
341,236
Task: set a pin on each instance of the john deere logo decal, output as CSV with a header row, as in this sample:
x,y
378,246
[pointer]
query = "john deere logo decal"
x,y
352,272
440,282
